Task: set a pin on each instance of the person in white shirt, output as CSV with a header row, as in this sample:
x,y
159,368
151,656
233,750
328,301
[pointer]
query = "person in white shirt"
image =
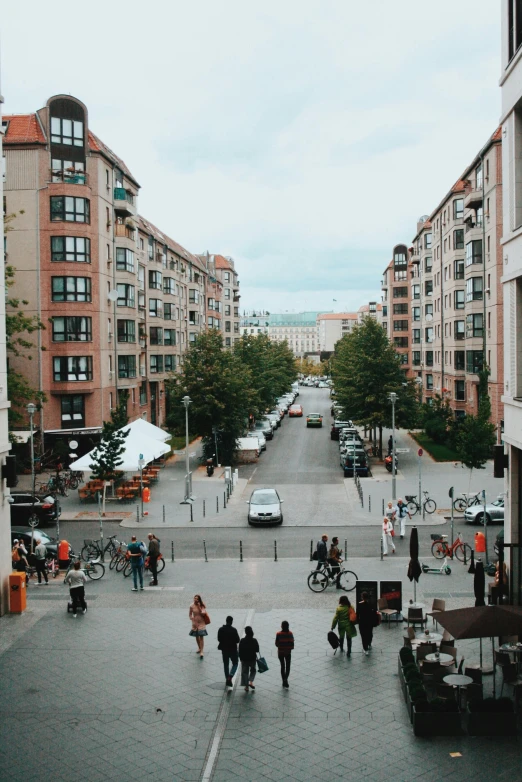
x,y
40,554
77,579
401,511
387,538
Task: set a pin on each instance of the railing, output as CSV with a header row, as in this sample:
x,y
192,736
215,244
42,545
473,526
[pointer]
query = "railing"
x,y
120,194
124,230
69,177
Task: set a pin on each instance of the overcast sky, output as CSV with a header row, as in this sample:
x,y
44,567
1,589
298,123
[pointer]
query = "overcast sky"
x,y
303,139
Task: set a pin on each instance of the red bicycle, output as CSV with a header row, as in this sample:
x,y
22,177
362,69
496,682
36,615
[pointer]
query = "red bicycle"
x,y
440,548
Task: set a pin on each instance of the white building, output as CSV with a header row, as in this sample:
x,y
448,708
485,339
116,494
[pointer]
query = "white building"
x,y
253,325
300,330
332,326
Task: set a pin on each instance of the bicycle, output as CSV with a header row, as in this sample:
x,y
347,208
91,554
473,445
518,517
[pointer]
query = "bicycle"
x,y
318,580
94,568
127,569
428,505
440,548
117,557
92,548
467,500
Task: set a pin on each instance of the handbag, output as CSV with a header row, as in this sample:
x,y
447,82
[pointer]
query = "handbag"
x,y
206,617
377,619
262,665
392,532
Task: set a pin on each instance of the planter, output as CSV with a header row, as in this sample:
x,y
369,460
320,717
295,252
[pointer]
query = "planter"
x,y
435,723
496,723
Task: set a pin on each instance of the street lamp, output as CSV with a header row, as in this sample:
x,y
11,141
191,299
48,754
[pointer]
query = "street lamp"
x,y
392,396
31,409
141,465
188,477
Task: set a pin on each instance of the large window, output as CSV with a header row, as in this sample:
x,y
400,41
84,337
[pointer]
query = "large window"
x,y
458,239
458,208
427,241
474,289
72,368
169,285
474,361
66,131
475,325
514,25
155,308
458,300
474,252
428,334
73,411
429,382
72,329
458,270
398,325
71,172
459,331
70,209
156,364
416,358
70,248
143,393
428,287
125,295
399,275
124,259
170,363
169,337
415,313
400,342
168,310
193,296
416,336
71,288
156,335
429,358
126,331
459,358
416,291
155,280
126,366
428,265
460,391
400,293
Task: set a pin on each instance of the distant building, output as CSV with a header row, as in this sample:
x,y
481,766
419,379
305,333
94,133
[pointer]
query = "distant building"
x,y
300,330
396,295
252,325
332,326
372,310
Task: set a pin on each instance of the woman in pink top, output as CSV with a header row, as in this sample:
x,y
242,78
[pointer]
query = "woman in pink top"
x,y
197,612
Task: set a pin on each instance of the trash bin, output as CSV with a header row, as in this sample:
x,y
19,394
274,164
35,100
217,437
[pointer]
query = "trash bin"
x,y
17,593
480,543
146,494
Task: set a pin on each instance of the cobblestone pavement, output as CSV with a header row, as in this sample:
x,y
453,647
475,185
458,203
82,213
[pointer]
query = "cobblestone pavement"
x,y
119,694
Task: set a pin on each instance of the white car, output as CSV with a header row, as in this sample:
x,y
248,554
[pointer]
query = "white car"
x,y
264,507
260,437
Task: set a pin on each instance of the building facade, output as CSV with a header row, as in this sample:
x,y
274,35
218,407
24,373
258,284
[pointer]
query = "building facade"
x,y
331,327
252,325
299,330
396,301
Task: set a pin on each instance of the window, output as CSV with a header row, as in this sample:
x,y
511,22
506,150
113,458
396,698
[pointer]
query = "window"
x,y
227,293
72,210
429,382
167,311
427,241
71,288
416,291
459,329
428,264
474,252
156,335
150,249
227,310
428,287
384,311
458,239
400,325
227,276
141,302
72,329
475,325
458,300
399,275
193,296
236,330
416,336
227,326
70,248
404,358
474,289
458,208
66,131
228,342
428,334
415,313
428,309
124,260
480,216
478,177
155,308
459,359
458,272
514,25
68,171
416,358
460,391
400,342
399,293
143,393
156,364
72,368
169,337
126,366
125,295
168,285
429,358
73,411
141,277
155,280
170,363
474,361
126,331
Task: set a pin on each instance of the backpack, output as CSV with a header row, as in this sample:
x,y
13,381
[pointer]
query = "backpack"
x,y
15,556
333,640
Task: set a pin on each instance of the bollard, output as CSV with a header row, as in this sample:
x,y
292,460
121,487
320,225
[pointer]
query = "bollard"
x,y
383,507
369,503
191,512
345,549
172,550
382,553
217,504
225,500
205,550
240,550
164,514
275,550
311,550
204,509
138,513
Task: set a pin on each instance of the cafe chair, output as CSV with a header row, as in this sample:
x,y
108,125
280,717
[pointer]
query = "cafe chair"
x,y
448,650
502,658
445,670
474,673
438,606
382,607
511,678
446,691
416,617
429,671
449,643
423,650
409,639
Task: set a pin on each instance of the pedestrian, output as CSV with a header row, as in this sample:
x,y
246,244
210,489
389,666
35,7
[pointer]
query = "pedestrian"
x,y
334,560
367,619
322,554
387,536
200,619
154,552
248,649
390,444
40,554
345,618
285,643
136,551
77,579
390,511
19,557
401,511
228,639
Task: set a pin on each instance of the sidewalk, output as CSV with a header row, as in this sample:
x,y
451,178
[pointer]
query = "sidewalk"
x,y
120,694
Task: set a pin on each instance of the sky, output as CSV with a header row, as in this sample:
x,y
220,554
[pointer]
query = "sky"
x,y
304,139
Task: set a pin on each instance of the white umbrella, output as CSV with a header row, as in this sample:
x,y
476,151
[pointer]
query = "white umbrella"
x,y
135,444
149,430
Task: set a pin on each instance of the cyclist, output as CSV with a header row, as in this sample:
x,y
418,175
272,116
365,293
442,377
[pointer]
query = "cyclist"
x,y
335,560
322,554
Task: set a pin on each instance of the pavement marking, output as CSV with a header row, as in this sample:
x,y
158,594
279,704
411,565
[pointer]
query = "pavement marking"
x,y
222,719
163,589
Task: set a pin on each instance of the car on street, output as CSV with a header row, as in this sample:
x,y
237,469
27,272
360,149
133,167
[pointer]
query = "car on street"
x,y
264,507
322,385
283,404
274,417
336,428
295,411
314,419
494,513
23,504
25,534
260,437
265,427
362,466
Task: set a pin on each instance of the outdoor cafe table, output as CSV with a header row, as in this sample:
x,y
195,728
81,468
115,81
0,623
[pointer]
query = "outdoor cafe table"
x,y
514,649
443,659
458,680
428,637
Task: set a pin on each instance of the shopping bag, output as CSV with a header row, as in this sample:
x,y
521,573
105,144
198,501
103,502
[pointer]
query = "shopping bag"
x,y
262,665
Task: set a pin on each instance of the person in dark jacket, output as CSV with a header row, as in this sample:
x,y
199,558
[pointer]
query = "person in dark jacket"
x,y
154,552
366,616
322,554
248,649
285,643
228,639
335,560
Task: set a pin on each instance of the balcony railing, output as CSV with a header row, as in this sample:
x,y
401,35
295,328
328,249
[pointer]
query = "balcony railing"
x,y
124,231
69,177
120,194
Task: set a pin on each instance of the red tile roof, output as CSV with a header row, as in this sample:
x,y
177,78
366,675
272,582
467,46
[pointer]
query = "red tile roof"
x,y
222,263
23,129
97,145
338,316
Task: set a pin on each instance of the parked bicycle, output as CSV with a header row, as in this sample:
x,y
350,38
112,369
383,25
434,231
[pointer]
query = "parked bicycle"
x,y
127,569
118,557
92,548
318,580
428,505
466,500
440,548
94,568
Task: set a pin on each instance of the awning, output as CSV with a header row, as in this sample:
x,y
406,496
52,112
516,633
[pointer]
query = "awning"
x,y
149,430
135,444
23,436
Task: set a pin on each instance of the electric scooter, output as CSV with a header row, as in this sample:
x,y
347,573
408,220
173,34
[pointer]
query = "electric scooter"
x,y
444,569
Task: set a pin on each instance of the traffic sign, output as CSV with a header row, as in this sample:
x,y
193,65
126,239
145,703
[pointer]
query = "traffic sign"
x,y
420,452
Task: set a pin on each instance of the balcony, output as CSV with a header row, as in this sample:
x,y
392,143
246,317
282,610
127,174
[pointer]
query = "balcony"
x,y
473,199
236,298
69,176
124,231
124,202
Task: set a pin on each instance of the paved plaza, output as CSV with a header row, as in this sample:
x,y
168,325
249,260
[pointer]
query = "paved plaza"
x,y
119,694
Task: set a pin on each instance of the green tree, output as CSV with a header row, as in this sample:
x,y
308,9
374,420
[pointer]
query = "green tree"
x,y
475,436
437,419
106,457
119,416
271,366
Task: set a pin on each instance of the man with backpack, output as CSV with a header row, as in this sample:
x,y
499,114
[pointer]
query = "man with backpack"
x,y
320,554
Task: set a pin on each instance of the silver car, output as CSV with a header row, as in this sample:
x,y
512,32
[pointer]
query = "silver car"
x,y
264,507
260,437
494,513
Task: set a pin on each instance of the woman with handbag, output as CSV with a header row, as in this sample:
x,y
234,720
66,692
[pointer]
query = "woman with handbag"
x,y
387,536
248,650
345,617
368,619
200,619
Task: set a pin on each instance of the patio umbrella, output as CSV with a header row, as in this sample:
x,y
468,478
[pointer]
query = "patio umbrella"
x,y
479,584
414,568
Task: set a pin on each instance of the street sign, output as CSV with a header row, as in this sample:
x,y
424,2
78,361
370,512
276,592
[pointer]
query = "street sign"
x,y
402,450
420,452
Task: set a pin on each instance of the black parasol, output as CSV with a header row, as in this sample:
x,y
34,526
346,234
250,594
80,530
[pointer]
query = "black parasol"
x,y
479,584
414,568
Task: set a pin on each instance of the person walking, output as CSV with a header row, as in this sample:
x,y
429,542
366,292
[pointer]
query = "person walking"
x,y
390,511
200,619
367,619
77,579
228,639
390,444
345,618
401,511
334,560
40,554
154,552
248,649
135,551
19,557
387,537
322,554
285,643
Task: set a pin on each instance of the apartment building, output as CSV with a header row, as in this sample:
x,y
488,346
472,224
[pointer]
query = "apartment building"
x,y
119,299
511,280
421,296
331,327
227,275
300,330
252,325
396,302
372,310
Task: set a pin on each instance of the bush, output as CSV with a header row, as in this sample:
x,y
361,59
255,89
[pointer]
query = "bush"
x,y
412,676
438,705
492,706
406,655
408,668
417,693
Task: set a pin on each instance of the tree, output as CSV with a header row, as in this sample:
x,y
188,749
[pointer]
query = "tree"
x,y
271,366
119,416
475,436
437,419
106,457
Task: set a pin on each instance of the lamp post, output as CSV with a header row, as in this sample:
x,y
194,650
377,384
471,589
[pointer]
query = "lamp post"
x,y
392,396
31,409
188,478
216,431
141,465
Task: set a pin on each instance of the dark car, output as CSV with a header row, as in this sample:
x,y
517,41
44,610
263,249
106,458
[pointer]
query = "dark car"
x,y
25,535
23,504
362,466
336,428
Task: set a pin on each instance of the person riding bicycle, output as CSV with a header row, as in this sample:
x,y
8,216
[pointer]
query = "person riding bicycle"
x,y
335,560
322,554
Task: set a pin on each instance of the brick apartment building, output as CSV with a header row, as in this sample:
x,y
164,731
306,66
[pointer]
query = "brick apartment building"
x,y
224,296
396,301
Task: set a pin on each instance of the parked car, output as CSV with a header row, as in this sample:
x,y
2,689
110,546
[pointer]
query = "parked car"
x,y
494,513
322,385
295,411
336,428
348,450
275,417
314,419
362,466
25,534
265,427
271,421
264,507
260,438
23,504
